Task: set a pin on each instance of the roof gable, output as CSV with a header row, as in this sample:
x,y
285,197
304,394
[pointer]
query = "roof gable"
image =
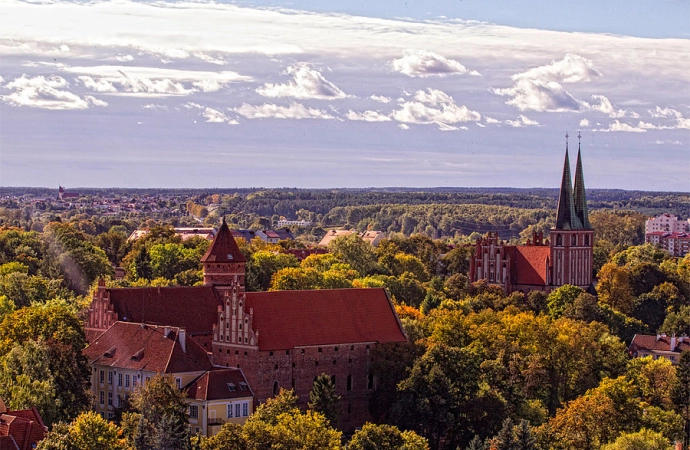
x,y
529,264
220,384
288,319
223,249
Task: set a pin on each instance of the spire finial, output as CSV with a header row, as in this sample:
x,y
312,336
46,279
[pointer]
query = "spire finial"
x,y
566,141
579,137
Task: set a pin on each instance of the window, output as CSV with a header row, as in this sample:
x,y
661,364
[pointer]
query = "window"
x,y
101,377
349,382
587,239
110,399
119,379
194,411
178,382
559,240
119,401
245,409
110,377
237,410
370,382
573,240
127,380
111,415
276,388
229,410
231,387
101,397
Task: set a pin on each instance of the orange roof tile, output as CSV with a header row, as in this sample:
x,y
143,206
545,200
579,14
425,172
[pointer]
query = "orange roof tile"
x,y
223,249
219,384
529,263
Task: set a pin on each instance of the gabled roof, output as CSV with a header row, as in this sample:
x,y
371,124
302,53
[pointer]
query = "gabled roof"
x,y
193,308
288,319
24,427
528,263
219,384
658,343
223,249
333,234
143,347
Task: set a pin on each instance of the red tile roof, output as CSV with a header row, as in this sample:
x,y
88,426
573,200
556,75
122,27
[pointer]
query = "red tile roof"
x,y
659,343
223,249
213,385
26,427
8,443
193,308
143,347
528,263
288,319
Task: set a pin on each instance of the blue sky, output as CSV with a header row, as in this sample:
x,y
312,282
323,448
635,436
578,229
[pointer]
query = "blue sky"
x,y
343,94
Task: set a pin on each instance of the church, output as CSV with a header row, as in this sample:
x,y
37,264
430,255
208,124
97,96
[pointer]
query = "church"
x,y
279,339
544,264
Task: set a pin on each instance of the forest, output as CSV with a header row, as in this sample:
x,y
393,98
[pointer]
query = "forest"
x,y
482,369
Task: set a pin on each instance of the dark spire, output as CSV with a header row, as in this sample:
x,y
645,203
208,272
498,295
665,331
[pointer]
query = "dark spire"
x,y
565,217
579,195
223,249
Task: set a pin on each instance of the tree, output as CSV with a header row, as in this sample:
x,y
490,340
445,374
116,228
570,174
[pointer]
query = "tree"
x,y
229,437
352,250
385,437
562,298
641,440
163,415
294,278
262,265
324,399
680,393
614,288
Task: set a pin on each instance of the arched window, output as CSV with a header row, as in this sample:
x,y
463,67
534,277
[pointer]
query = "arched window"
x,y
276,388
586,239
559,240
370,381
573,240
349,382
333,379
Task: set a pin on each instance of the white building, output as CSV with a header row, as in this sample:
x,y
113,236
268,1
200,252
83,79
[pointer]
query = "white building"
x,y
666,223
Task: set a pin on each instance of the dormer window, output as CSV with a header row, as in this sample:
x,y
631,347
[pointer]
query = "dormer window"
x,y
231,387
229,256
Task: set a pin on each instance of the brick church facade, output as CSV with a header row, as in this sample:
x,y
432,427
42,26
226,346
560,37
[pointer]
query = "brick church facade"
x,y
281,339
544,264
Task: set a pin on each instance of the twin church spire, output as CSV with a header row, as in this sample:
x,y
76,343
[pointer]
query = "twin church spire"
x,y
572,202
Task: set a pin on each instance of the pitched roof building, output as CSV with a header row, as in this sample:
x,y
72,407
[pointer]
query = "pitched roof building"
x,y
544,264
20,429
659,346
279,339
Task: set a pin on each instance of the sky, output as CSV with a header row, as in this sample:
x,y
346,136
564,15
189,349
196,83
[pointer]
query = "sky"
x,y
320,94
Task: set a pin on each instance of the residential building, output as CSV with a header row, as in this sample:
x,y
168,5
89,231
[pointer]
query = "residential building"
x,y
184,233
543,264
217,397
676,243
20,429
280,339
666,223
370,236
297,223
659,346
128,355
333,235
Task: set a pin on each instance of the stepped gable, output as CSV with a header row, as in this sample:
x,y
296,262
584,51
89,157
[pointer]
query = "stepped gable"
x,y
223,249
289,319
566,219
529,264
143,347
579,195
215,385
193,308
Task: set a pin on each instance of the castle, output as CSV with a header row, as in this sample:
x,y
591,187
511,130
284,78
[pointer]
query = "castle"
x,y
544,264
280,339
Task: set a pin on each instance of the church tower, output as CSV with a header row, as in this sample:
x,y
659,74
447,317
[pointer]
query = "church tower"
x,y
572,239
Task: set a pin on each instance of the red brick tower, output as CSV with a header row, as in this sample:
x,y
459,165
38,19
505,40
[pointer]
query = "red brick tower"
x,y
224,264
572,239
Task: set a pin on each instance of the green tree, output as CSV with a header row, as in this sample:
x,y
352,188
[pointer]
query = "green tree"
x,y
680,393
163,416
560,299
385,437
262,265
323,398
352,250
89,431
229,437
640,440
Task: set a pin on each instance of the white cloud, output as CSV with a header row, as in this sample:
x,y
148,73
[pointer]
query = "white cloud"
x,y
155,107
64,48
368,116
620,126
306,83
209,85
124,58
272,111
380,98
434,107
670,113
43,92
667,142
403,126
584,123
211,115
491,120
99,85
210,59
95,101
540,88
522,121
420,63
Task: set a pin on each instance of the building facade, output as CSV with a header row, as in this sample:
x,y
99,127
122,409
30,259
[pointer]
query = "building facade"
x,y
666,223
659,346
544,264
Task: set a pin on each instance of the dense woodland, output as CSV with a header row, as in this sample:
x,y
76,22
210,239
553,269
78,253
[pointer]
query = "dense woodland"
x,y
481,369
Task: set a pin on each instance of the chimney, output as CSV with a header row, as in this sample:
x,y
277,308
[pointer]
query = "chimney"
x,y
166,331
182,338
673,342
